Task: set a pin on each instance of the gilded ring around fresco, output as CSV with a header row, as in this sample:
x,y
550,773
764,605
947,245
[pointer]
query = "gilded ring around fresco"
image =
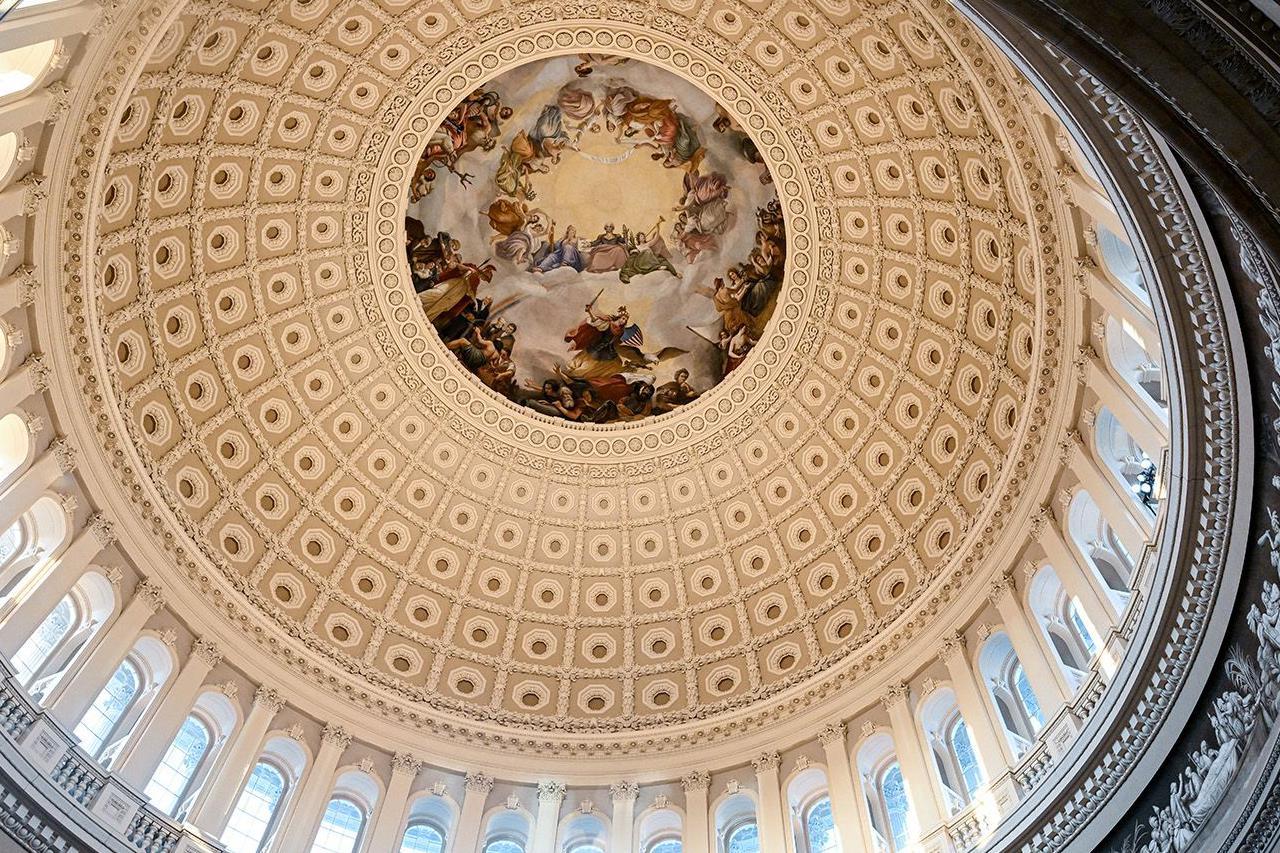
x,y
594,238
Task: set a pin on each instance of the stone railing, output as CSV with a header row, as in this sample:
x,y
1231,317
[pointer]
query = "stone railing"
x,y
39,749
969,828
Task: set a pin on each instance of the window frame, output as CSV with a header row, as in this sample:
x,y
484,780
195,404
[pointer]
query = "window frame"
x,y
361,807
277,810
429,824
142,686
196,775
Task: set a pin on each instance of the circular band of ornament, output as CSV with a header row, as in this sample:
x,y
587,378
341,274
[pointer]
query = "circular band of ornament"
x,y
803,301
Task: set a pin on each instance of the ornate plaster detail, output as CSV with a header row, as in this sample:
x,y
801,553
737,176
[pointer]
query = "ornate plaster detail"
x,y
268,697
336,736
207,650
38,370
832,733
895,696
551,792
481,783
405,763
620,791
698,780
150,594
102,529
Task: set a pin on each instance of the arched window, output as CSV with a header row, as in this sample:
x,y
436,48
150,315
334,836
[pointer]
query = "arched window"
x,y
339,828
1027,697
99,722
966,760
893,793
1080,628
504,845
584,848
1121,261
820,827
422,838
666,845
11,542
40,646
21,67
15,445
743,838
256,810
173,777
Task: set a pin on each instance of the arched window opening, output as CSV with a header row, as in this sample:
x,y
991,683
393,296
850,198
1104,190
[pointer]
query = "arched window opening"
x,y
507,831
1063,623
583,833
340,827
9,145
1136,364
1064,650
1011,694
504,845
11,542
1081,629
660,830
31,657
1128,462
22,67
1027,697
15,446
965,758
949,744
422,838
256,811
172,779
743,838
820,827
99,723
893,794
1122,262
1102,547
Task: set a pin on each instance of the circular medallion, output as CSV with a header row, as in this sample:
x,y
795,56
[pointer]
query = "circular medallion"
x,y
594,238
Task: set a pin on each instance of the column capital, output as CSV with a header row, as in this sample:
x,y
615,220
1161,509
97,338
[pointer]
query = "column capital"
x,y
59,101
481,783
1001,585
624,791
33,188
268,697
65,454
895,695
207,650
39,370
766,761
832,733
406,764
698,780
551,792
101,528
952,646
1040,519
150,594
28,284
335,735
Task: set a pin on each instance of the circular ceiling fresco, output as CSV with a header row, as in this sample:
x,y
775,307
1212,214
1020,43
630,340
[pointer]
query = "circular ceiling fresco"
x,y
594,238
